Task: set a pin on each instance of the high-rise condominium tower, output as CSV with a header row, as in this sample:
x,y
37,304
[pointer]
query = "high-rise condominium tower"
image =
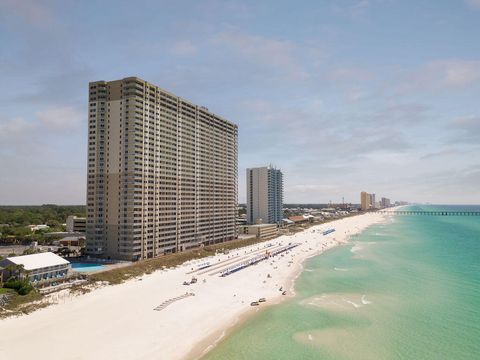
x,y
264,195
372,201
366,200
162,172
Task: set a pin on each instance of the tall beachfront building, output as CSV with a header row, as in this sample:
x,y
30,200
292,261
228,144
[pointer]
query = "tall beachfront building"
x,y
365,200
162,172
264,195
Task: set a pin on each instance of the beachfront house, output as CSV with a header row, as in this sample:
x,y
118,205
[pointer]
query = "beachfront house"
x,y
287,222
36,268
300,219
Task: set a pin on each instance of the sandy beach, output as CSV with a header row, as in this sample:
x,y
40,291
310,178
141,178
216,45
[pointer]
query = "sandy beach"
x,y
157,317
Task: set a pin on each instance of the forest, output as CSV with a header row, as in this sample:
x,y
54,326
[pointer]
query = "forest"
x,y
14,221
34,215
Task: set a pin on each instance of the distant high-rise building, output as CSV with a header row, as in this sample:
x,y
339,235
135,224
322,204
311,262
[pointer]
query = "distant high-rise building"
x,y
264,195
385,202
365,201
162,172
372,201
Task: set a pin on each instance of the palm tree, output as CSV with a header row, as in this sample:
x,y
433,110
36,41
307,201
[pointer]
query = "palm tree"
x,y
14,270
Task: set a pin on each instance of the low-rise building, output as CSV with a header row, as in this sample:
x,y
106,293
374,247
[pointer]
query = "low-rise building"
x,y
37,267
287,222
241,221
300,219
72,241
38,227
261,231
76,224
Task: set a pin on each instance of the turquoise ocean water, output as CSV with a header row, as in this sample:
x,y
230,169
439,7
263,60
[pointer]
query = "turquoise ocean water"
x,y
406,289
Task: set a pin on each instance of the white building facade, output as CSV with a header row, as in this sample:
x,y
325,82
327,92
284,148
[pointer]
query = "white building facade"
x,y
39,267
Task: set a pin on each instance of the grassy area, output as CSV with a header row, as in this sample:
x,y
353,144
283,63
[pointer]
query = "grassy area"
x,y
21,304
117,276
5,291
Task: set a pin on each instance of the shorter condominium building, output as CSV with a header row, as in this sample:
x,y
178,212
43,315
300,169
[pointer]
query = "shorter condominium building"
x,y
76,224
264,195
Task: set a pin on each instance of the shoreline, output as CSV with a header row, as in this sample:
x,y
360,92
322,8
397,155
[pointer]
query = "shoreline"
x,y
202,349
119,321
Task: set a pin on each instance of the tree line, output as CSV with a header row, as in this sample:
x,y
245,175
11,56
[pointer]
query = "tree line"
x,y
52,215
14,221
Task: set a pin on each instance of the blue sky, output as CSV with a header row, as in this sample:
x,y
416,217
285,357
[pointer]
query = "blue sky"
x,y
344,96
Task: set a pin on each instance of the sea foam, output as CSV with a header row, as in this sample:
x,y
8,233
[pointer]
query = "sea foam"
x,y
364,301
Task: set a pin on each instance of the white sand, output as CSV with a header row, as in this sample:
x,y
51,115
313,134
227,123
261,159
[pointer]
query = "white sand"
x,y
119,322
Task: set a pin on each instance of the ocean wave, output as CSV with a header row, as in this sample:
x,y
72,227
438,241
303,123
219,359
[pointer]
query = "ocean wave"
x,y
355,305
340,269
356,248
364,301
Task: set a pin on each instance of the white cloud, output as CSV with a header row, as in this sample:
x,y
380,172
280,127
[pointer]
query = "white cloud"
x,y
22,137
65,117
263,51
18,137
350,74
466,130
356,9
460,73
442,74
184,48
356,95
468,123
359,7
34,12
12,127
474,4
37,169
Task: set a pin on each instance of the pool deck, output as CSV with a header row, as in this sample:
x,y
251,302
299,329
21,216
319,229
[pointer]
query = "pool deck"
x,y
106,267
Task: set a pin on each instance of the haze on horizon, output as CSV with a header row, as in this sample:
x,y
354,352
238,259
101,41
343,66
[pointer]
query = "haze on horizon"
x,y
344,96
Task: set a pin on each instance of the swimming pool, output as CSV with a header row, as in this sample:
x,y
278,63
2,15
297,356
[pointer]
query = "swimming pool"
x,y
86,267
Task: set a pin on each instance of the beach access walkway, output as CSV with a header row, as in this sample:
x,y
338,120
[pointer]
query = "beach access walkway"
x,y
257,259
223,265
164,304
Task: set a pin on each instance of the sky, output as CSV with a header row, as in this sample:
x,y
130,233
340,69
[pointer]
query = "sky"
x,y
344,96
